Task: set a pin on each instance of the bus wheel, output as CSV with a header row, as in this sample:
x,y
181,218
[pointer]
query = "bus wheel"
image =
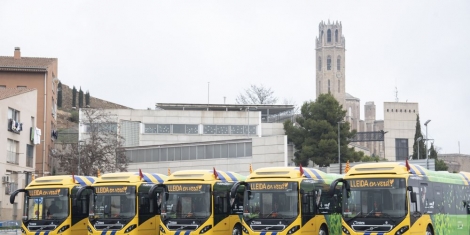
x,y
237,230
429,231
323,231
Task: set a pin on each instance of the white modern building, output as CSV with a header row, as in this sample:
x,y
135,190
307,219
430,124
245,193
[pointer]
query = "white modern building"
x,y
200,136
18,114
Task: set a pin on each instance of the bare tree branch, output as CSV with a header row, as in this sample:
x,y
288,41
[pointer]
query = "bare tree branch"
x,y
102,149
256,95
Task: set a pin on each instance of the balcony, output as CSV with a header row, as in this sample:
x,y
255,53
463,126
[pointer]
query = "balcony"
x,y
13,157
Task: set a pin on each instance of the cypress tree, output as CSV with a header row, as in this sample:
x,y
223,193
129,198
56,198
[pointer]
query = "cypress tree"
x,y
80,98
59,95
87,98
74,97
418,144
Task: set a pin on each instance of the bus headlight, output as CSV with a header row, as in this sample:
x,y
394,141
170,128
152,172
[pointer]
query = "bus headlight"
x,y
61,230
293,229
130,228
402,230
245,230
161,229
205,229
345,230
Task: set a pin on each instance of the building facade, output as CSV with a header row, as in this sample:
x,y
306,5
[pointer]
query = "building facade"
x,y
197,136
18,114
39,73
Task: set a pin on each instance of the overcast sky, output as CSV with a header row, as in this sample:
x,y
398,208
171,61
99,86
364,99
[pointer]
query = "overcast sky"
x,y
145,52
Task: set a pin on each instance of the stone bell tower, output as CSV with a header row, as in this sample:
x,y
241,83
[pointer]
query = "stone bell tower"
x,y
330,58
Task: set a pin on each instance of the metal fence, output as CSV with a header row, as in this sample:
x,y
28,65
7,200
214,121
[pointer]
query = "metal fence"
x,y
10,227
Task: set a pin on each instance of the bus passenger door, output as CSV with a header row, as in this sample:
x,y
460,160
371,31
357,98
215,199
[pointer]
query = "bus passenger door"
x,y
308,213
147,218
221,213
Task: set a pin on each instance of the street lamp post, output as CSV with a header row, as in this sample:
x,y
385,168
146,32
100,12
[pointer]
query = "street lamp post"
x,y
419,139
427,138
339,149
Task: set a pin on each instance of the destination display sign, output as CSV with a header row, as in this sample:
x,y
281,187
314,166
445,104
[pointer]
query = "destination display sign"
x,y
373,183
262,186
111,189
46,192
185,187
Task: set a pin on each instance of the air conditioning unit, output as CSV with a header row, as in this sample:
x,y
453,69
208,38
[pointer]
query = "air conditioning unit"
x,y
6,179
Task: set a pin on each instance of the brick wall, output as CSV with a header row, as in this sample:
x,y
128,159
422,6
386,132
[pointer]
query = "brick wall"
x,y
94,102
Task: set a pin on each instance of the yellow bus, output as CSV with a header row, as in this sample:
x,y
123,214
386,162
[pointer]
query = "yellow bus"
x,y
126,203
398,198
199,203
49,208
288,200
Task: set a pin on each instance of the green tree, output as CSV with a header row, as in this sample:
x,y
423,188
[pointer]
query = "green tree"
x,y
80,98
59,95
315,133
440,164
87,99
418,144
74,97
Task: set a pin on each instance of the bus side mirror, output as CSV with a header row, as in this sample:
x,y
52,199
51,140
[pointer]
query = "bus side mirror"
x,y
409,188
413,197
250,196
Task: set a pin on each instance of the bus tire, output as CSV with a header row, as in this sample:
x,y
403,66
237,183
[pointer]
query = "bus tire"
x,y
323,230
429,230
237,230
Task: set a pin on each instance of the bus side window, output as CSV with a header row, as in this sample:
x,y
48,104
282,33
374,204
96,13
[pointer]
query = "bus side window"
x,y
418,200
220,203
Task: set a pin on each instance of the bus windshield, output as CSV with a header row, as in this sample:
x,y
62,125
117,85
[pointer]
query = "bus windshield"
x,y
272,200
47,203
188,201
375,197
114,202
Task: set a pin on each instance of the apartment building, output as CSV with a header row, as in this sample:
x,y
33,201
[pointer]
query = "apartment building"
x,y
17,141
41,74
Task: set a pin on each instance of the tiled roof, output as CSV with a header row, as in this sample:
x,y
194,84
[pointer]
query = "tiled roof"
x,y
25,62
10,92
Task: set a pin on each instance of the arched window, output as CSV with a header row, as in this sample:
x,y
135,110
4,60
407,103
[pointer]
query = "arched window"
x,y
328,63
338,63
328,34
319,87
336,36
339,85
321,36
319,63
328,85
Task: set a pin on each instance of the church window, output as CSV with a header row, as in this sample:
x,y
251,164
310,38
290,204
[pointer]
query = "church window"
x,y
319,87
339,84
336,36
328,63
328,34
328,85
338,63
319,63
321,37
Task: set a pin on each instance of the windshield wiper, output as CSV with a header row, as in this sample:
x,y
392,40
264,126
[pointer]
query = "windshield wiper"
x,y
388,217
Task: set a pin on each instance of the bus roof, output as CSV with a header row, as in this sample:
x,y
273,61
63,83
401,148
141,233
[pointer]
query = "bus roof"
x,y
399,168
63,180
206,175
131,177
292,173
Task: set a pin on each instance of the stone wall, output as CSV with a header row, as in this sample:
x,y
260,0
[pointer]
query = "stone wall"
x,y
94,102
